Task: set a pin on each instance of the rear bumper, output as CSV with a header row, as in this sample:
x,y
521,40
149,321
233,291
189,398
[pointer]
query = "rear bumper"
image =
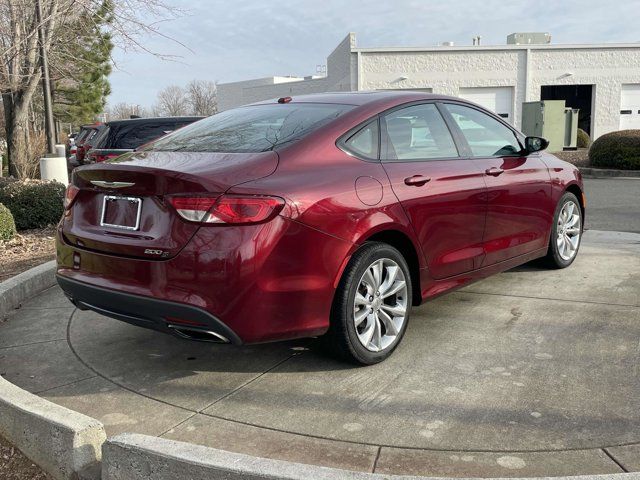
x,y
266,282
168,317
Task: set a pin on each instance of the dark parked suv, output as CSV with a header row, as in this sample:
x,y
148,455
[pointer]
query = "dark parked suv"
x,y
121,136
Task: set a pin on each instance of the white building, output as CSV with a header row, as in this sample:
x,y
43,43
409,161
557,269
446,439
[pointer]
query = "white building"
x,y
602,80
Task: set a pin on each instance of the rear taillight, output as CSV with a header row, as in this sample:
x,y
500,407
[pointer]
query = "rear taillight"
x,y
70,196
227,209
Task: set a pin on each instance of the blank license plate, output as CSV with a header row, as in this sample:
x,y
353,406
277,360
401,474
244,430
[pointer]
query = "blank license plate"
x,y
121,212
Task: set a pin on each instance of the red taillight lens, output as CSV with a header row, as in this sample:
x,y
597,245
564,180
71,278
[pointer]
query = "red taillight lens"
x,y
227,209
70,196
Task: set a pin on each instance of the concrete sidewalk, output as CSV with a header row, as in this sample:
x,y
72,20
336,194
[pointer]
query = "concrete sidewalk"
x,y
529,373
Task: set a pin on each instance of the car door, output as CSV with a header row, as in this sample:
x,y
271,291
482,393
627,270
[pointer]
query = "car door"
x,y
518,185
441,191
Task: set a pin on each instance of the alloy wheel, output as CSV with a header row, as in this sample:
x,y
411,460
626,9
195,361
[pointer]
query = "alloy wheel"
x,y
568,230
380,305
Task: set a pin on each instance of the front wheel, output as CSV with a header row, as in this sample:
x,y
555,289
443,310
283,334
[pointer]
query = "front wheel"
x,y
566,232
371,308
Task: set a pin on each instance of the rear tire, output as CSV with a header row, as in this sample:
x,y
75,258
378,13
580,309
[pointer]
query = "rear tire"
x,y
566,233
371,307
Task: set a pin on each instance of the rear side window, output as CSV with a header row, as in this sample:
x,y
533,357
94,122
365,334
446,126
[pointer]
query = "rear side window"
x,y
418,133
256,128
82,135
134,135
486,136
93,136
363,143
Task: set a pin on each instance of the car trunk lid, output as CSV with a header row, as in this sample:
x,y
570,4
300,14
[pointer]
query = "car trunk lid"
x,y
122,206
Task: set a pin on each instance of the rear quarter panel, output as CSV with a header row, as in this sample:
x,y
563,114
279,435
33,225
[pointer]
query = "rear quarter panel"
x,y
335,193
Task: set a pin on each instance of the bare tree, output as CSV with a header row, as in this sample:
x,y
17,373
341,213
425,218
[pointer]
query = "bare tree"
x,y
202,96
172,102
121,111
20,72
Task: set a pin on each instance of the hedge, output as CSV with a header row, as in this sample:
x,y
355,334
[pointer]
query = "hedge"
x,y
620,150
4,181
7,225
33,203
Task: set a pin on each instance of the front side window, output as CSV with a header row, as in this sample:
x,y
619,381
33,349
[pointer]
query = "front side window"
x,y
486,136
418,133
257,128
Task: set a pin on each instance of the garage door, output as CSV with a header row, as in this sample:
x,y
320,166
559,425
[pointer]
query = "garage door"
x,y
496,99
630,107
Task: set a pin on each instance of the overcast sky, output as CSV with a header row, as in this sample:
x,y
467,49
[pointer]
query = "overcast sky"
x,y
238,40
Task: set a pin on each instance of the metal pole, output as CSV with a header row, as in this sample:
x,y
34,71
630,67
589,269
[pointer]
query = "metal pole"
x,y
46,85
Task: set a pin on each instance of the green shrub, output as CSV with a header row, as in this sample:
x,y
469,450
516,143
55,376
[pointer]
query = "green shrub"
x,y
619,150
7,225
584,140
33,203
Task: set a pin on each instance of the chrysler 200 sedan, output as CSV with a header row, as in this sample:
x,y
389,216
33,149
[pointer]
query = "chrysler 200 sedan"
x,y
321,215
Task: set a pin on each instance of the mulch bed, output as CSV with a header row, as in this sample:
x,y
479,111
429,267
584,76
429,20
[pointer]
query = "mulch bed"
x,y
26,250
580,157
15,466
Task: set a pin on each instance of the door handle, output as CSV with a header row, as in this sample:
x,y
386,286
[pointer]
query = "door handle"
x,y
494,171
416,181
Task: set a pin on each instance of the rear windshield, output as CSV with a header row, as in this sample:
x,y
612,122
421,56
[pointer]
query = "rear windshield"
x,y
131,136
256,128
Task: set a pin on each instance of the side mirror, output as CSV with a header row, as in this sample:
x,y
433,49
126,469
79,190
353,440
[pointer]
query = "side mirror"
x,y
535,144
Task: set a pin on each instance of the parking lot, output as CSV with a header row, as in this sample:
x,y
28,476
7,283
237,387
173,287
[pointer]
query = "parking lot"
x,y
528,373
613,204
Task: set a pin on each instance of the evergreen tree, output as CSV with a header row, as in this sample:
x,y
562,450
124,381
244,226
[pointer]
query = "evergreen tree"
x,y
81,92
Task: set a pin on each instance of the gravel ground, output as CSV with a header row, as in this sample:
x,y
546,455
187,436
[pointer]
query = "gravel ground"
x,y
27,249
15,466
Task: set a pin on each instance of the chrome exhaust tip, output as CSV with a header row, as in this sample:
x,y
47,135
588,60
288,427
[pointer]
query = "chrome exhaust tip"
x,y
198,335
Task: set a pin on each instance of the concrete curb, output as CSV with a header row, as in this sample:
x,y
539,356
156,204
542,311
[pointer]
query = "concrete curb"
x,y
590,172
64,443
25,285
140,457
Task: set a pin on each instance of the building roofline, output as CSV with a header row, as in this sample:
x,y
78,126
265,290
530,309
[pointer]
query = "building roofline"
x,y
474,48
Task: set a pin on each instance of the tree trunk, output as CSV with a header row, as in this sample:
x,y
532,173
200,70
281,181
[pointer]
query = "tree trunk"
x,y
7,102
17,124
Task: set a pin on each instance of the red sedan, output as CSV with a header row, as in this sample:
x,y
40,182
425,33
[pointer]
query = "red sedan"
x,y
328,214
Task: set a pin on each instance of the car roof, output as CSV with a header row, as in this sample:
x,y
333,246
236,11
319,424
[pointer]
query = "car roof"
x,y
133,121
361,97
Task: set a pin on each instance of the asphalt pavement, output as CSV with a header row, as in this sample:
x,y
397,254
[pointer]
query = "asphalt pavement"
x,y
613,204
532,372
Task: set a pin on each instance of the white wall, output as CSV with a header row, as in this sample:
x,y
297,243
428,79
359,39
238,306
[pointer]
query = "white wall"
x,y
605,68
340,77
447,69
240,93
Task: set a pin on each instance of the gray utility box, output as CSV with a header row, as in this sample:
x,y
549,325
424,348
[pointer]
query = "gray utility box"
x,y
546,118
571,128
